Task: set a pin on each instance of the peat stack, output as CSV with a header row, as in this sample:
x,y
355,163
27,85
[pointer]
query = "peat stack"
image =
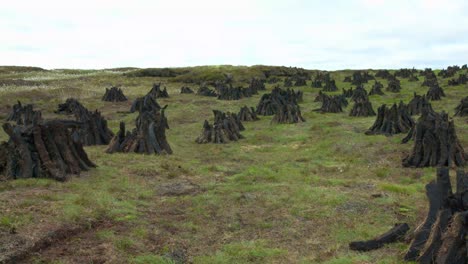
x,y
435,142
186,90
348,79
145,103
114,94
156,91
393,86
413,78
441,238
269,102
288,82
227,92
319,97
435,93
330,85
377,89
149,136
362,106
384,74
24,115
256,85
390,121
300,81
288,113
93,129
205,91
449,72
317,83
417,104
359,94
405,73
361,78
430,80
226,128
462,108
247,114
44,150
348,93
273,80
428,73
332,104
462,79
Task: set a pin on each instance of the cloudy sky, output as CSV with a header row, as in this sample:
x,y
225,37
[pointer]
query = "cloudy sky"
x,y
333,34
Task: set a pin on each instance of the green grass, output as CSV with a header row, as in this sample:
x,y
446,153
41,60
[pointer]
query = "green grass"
x,y
285,194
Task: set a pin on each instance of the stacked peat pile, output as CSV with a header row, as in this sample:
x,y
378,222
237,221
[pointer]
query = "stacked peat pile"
x,y
114,94
288,82
361,78
462,108
317,83
145,103
228,92
441,238
330,85
247,114
359,94
186,90
256,85
288,113
24,115
435,142
462,79
393,86
319,97
273,79
93,129
42,151
390,121
269,103
449,72
377,89
413,78
149,136
428,73
156,91
348,79
435,93
405,73
206,91
226,128
362,106
430,80
300,81
332,104
384,74
417,104
348,93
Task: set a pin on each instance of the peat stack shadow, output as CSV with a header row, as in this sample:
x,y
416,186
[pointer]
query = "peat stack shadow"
x,y
247,114
462,108
148,137
114,94
377,89
157,92
391,120
93,129
441,238
417,104
435,93
24,115
226,128
435,142
44,150
186,90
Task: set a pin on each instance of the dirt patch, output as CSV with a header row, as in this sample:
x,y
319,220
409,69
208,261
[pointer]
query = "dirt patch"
x,y
178,189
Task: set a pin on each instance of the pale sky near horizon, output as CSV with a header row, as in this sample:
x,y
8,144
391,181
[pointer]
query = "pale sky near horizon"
x,y
328,35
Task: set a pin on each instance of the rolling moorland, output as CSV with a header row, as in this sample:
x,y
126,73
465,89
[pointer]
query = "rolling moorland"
x,y
286,193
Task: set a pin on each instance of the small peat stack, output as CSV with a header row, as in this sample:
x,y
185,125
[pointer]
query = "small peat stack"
x,y
449,72
330,85
377,89
256,85
205,91
362,107
359,94
441,238
430,80
145,103
413,78
43,151
233,93
149,136
348,93
157,92
114,94
348,79
288,82
417,104
332,104
393,86
273,79
186,90
24,115
435,142
435,93
319,97
247,114
390,121
288,113
462,79
93,129
462,108
384,74
360,78
300,81
317,82
226,128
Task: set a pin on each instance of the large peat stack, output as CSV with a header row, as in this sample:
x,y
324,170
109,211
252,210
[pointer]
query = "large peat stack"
x,y
24,115
43,151
417,104
226,128
114,94
441,238
462,108
149,136
269,102
390,121
435,142
288,113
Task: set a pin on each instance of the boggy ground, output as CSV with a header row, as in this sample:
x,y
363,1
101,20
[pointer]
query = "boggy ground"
x,y
294,193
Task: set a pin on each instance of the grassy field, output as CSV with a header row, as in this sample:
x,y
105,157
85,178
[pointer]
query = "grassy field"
x,y
294,193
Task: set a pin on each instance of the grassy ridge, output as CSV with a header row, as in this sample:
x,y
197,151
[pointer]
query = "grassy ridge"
x,y
284,194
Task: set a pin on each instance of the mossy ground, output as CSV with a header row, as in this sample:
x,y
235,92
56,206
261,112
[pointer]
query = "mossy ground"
x,y
294,193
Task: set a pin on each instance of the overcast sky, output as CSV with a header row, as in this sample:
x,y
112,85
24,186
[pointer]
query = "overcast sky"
x,y
328,35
